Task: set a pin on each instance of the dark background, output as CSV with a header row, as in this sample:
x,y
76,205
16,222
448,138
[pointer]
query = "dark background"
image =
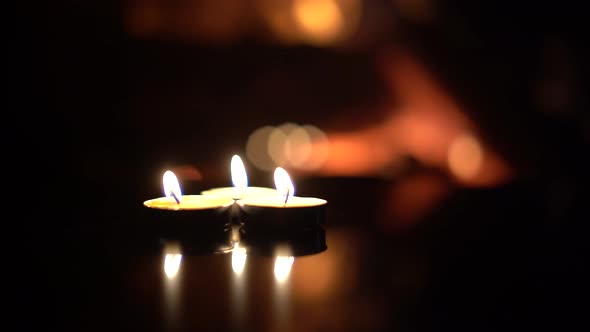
x,y
106,109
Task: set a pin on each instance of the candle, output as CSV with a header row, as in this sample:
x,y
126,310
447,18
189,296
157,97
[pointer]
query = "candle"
x,y
240,187
181,216
175,201
284,209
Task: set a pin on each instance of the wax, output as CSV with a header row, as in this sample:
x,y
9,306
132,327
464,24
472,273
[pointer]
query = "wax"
x,y
188,202
239,193
282,202
274,213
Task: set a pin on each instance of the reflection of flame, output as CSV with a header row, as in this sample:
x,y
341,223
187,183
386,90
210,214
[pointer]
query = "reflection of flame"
x,y
238,173
283,183
171,185
283,266
172,265
238,259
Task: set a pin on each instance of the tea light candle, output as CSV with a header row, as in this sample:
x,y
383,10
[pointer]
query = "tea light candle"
x,y
175,201
240,187
284,209
181,216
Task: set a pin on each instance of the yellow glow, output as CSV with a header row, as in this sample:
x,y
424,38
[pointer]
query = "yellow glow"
x,y
171,185
283,183
238,259
320,20
465,156
172,265
283,266
238,173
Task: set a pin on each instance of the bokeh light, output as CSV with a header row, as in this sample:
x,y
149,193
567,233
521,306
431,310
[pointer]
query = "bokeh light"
x,y
299,147
257,148
319,148
319,20
276,143
321,23
465,157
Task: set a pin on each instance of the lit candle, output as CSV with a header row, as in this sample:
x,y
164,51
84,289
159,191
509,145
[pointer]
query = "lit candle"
x,y
187,216
283,209
240,187
176,201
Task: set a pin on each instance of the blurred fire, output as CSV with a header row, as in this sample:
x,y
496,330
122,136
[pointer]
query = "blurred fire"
x,y
426,125
316,22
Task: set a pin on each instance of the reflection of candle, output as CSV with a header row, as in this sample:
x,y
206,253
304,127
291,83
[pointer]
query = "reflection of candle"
x,y
172,259
238,258
172,265
172,285
283,209
283,266
240,187
174,200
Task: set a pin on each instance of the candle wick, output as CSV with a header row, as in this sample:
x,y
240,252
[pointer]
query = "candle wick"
x,y
287,197
175,198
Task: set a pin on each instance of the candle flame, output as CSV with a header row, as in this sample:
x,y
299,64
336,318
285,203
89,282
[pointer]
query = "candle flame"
x,y
171,186
238,173
238,259
283,266
172,265
284,184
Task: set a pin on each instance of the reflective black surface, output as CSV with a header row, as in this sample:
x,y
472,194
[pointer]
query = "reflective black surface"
x,y
490,258
408,247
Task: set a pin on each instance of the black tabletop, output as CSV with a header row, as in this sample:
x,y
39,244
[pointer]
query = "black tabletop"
x,y
419,233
